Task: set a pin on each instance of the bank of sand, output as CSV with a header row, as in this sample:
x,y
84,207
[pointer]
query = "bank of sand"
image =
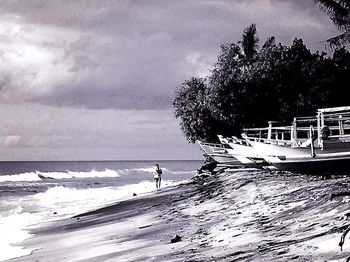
x,y
232,216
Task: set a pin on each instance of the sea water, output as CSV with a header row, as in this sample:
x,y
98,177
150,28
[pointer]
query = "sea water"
x,y
32,193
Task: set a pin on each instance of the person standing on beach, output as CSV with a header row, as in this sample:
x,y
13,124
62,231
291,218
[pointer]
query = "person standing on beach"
x,y
157,175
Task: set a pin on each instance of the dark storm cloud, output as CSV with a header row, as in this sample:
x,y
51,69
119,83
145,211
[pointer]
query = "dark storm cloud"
x,y
301,4
131,98
132,54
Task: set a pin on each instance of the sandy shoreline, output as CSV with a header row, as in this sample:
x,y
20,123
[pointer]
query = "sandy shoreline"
x,y
233,216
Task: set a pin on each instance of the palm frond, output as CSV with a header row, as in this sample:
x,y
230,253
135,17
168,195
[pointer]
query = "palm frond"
x,y
339,40
345,3
332,7
249,42
339,13
338,10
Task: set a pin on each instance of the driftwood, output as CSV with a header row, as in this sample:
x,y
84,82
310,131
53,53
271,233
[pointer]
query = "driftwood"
x,y
177,238
334,195
208,167
346,231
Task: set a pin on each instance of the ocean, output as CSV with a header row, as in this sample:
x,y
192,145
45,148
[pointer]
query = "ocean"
x,y
34,193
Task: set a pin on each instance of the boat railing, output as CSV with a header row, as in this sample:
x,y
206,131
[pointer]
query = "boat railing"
x,y
269,141
287,129
266,130
329,122
347,136
211,144
335,110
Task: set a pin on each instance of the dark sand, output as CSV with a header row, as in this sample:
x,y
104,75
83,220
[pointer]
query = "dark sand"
x,y
233,216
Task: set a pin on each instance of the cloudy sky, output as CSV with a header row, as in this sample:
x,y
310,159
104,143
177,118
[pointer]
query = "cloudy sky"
x,y
95,79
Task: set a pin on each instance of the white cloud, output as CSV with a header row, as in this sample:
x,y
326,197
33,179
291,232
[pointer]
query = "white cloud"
x,y
36,60
10,141
198,64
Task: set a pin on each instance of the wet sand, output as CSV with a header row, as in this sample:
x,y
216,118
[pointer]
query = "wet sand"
x,y
233,216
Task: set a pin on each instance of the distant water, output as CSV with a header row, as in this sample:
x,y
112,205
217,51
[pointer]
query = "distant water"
x,y
35,192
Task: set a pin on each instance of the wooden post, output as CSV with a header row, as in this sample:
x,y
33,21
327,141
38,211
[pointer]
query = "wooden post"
x,y
319,128
313,155
269,131
341,126
293,132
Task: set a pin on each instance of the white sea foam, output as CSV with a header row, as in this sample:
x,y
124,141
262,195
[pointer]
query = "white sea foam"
x,y
29,176
147,169
144,169
56,203
12,230
71,201
35,176
184,172
39,175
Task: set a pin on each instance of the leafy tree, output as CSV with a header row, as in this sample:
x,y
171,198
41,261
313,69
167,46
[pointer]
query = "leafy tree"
x,y
192,108
227,85
338,79
280,82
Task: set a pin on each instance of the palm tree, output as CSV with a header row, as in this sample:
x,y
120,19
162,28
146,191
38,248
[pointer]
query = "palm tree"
x,y
249,43
339,12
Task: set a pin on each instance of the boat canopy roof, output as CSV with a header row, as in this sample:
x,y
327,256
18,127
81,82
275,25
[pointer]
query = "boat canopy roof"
x,y
334,109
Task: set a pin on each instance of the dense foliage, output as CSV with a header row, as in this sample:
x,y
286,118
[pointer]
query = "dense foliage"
x,y
248,87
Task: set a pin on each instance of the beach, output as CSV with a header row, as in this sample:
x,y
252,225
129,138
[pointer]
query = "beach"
x,y
237,215
231,105
33,194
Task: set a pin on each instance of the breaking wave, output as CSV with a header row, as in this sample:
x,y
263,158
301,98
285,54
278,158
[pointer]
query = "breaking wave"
x,y
56,203
37,175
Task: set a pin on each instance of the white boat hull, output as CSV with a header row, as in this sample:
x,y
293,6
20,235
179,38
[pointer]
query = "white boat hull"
x,y
225,159
300,159
246,155
242,151
218,153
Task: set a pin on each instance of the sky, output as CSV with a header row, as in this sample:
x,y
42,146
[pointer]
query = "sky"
x,y
95,79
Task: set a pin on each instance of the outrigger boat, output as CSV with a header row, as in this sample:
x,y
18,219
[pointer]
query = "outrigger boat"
x,y
241,150
323,146
218,152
